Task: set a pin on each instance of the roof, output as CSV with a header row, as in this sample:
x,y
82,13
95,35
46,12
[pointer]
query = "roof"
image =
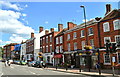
x,y
112,14
61,32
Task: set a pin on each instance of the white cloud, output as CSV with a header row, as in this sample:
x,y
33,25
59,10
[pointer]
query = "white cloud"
x,y
84,20
46,22
26,5
8,5
10,23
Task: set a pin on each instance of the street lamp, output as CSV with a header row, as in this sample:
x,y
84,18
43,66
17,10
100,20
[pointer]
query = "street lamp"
x,y
85,24
86,35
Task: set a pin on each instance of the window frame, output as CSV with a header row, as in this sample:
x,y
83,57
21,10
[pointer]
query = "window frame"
x,y
107,37
68,47
89,31
75,45
57,40
105,61
82,33
74,35
104,28
61,39
82,45
68,36
118,58
114,24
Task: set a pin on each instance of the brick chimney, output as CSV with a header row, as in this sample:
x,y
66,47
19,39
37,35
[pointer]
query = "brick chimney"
x,y
74,25
40,29
52,29
46,31
60,27
32,35
70,25
108,8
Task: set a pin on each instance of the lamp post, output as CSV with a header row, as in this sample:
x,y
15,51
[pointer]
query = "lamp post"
x,y
86,35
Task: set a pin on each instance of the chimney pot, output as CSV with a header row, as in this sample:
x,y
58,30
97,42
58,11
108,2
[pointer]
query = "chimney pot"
x,y
46,31
40,29
60,27
32,35
70,25
108,8
52,29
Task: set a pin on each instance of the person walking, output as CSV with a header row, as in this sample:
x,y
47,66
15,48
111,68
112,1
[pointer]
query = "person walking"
x,y
6,63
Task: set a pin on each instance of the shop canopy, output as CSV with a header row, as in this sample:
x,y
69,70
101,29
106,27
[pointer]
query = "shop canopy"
x,y
58,56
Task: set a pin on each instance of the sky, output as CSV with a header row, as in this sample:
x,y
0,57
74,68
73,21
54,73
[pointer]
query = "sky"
x,y
19,19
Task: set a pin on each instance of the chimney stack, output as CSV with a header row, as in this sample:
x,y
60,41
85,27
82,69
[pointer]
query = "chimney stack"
x,y
97,18
46,31
108,8
40,29
52,29
70,25
74,25
60,27
32,35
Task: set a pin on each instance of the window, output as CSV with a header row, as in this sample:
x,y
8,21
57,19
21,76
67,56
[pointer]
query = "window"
x,y
68,46
61,39
106,39
106,59
82,33
43,40
83,44
61,48
57,49
47,39
116,24
74,35
56,40
41,49
90,31
106,27
50,48
118,57
68,37
46,48
50,38
40,41
75,46
117,38
92,43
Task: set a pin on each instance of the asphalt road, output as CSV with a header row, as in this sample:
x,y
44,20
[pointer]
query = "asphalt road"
x,y
25,71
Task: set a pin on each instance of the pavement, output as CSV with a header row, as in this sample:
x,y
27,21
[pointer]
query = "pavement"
x,y
104,73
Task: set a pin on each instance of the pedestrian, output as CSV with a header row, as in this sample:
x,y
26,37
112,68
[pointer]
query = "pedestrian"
x,y
9,62
6,63
44,64
97,66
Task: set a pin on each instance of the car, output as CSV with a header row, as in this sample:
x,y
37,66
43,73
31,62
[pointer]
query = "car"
x,y
16,62
31,63
11,61
38,64
23,62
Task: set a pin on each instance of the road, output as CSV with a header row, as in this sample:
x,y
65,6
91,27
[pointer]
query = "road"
x,y
25,71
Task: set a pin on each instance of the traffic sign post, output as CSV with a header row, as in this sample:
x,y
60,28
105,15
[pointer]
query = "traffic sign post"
x,y
113,60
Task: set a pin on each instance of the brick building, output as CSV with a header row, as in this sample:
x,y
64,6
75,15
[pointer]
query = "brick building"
x,y
9,51
47,45
109,27
30,48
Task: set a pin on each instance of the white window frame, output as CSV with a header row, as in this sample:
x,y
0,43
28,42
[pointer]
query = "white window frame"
x,y
115,24
50,38
104,60
61,39
92,43
104,28
75,45
82,33
89,31
61,49
57,49
47,48
83,44
115,38
57,40
75,35
68,36
105,38
68,45
46,39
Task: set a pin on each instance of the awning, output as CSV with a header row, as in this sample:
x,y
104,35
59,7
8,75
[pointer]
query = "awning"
x,y
58,56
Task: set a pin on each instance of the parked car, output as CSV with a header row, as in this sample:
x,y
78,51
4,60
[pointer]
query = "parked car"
x,y
11,61
38,64
31,63
16,62
23,62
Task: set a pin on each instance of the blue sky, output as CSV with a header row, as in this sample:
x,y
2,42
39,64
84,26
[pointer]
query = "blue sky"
x,y
22,18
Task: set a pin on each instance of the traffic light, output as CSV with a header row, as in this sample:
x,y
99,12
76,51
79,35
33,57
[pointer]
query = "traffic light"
x,y
108,47
114,47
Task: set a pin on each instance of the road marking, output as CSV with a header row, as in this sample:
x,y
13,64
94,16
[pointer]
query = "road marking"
x,y
12,67
32,72
1,74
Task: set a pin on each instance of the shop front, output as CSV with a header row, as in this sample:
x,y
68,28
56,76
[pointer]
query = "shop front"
x,y
58,59
48,58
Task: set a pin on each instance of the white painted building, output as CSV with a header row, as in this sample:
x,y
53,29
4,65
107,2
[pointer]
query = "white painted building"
x,y
37,43
23,55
